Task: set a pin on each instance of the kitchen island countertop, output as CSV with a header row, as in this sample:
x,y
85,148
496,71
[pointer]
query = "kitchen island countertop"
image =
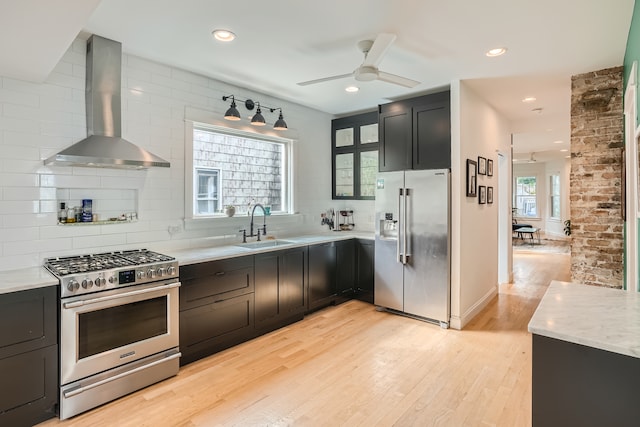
x,y
598,317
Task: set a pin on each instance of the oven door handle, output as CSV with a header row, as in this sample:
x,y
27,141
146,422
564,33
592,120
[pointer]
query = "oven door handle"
x,y
79,390
119,296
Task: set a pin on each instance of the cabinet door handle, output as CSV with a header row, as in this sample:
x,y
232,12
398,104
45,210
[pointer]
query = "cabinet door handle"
x,y
220,273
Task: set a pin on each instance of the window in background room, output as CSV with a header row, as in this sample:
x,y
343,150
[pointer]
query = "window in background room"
x,y
239,169
526,194
554,192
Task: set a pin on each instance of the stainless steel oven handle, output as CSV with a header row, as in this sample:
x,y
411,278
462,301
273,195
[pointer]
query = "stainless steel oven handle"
x,y
79,390
119,296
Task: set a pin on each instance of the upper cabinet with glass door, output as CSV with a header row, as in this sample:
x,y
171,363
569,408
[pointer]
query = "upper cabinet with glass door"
x,y
354,153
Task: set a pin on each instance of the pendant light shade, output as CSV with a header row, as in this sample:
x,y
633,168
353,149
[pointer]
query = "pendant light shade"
x,y
258,118
232,113
280,123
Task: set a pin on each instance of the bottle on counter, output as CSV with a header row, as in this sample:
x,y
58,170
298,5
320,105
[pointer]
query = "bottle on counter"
x,y
62,213
71,215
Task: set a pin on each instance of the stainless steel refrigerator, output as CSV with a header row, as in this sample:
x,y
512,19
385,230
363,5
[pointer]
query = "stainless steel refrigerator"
x,y
412,251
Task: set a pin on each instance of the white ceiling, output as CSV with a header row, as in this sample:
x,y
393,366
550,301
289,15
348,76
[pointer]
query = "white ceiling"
x,y
282,42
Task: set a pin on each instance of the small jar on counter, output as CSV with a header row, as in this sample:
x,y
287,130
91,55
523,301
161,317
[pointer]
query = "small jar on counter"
x,y
62,213
71,215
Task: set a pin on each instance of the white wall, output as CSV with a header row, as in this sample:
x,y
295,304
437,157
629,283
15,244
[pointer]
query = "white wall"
x,y
38,120
477,130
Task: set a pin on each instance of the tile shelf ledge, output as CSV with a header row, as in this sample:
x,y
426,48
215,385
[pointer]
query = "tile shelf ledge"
x,y
101,222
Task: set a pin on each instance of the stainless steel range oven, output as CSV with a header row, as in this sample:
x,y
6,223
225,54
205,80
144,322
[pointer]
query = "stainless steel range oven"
x,y
118,325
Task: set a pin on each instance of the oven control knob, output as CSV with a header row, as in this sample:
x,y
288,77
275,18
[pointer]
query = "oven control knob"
x,y
87,283
161,271
73,285
141,274
113,279
171,270
100,281
151,273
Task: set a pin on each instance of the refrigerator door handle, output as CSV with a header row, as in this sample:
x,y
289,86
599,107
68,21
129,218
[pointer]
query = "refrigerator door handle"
x,y
399,256
405,237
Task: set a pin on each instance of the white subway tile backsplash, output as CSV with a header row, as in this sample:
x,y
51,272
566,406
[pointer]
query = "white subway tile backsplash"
x,y
101,241
38,120
18,233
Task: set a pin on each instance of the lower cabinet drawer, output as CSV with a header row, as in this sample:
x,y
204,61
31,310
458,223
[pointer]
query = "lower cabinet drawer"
x,y
30,387
214,327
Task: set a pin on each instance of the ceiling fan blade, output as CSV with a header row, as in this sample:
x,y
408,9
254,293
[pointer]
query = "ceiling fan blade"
x,y
325,79
392,78
379,48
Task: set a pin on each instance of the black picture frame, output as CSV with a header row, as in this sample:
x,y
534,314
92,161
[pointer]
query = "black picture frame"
x,y
482,166
489,167
489,195
472,178
482,194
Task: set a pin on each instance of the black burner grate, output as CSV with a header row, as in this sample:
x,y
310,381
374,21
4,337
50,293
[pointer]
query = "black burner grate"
x,y
105,261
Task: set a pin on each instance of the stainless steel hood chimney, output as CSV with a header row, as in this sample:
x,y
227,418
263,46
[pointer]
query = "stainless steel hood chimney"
x,y
104,146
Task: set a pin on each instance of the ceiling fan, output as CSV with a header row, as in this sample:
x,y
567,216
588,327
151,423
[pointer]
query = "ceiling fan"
x,y
374,51
532,159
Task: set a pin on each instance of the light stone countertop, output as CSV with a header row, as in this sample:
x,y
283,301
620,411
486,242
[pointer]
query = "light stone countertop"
x,y
39,277
603,318
25,278
204,254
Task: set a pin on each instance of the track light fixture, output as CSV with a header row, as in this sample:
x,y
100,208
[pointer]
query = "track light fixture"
x,y
257,119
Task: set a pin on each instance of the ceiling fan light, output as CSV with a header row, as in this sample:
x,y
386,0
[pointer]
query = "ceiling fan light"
x,y
280,123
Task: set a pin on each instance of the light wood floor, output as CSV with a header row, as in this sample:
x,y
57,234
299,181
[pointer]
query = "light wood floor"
x,y
352,365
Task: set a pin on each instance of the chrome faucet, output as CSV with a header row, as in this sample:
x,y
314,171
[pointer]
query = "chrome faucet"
x,y
264,225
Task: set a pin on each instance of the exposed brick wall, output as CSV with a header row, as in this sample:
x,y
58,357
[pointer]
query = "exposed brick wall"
x,y
596,180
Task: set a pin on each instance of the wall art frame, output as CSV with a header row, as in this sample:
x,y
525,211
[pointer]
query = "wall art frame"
x,y
482,165
472,178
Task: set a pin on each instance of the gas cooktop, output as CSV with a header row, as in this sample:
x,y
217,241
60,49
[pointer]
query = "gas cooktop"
x,y
92,273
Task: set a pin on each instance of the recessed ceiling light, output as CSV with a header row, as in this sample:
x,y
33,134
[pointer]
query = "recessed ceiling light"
x,y
567,157
558,142
564,150
496,52
529,99
352,89
223,35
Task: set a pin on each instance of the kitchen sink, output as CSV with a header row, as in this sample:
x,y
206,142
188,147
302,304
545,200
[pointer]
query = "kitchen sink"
x,y
265,244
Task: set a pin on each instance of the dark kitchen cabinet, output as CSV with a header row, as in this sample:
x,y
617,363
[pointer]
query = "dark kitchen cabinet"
x,y
28,356
331,273
345,268
364,270
280,296
416,133
322,271
354,153
216,306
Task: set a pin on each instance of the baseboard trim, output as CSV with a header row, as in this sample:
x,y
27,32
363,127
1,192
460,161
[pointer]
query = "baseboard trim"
x,y
460,322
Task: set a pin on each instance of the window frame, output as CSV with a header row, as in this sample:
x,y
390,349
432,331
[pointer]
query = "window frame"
x,y
196,183
537,195
190,192
553,197
353,122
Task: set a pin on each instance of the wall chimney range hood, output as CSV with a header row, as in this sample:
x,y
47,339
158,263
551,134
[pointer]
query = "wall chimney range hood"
x,y
104,145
